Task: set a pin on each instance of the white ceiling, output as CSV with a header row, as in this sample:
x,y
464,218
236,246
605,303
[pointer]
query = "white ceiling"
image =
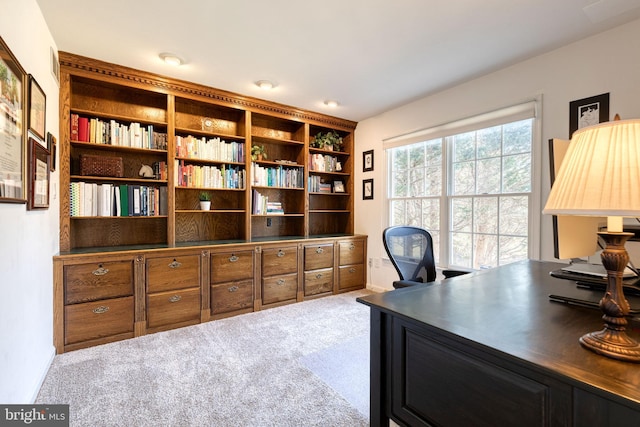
x,y
369,55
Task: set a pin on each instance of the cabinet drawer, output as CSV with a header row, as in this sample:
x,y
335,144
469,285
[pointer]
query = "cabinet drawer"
x,y
170,273
351,276
233,296
319,256
318,281
351,252
173,307
91,282
231,266
279,288
98,319
279,261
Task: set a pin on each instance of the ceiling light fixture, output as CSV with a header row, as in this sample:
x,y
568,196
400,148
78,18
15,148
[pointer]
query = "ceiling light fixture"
x,y
171,59
331,103
265,84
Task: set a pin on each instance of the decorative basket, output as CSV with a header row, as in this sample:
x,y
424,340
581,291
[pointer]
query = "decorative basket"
x,y
101,166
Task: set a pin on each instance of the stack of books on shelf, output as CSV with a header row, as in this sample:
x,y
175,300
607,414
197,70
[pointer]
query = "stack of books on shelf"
x,y
92,199
110,132
216,149
225,176
279,176
262,205
317,185
323,163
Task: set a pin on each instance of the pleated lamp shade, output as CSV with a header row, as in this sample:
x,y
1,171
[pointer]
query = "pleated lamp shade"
x,y
600,173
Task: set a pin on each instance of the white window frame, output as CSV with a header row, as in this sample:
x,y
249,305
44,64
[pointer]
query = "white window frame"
x,y
527,109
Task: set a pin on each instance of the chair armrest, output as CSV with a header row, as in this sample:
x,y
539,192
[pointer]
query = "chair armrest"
x,y
453,273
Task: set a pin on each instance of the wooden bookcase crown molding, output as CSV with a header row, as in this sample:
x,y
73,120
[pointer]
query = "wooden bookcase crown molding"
x,y
81,65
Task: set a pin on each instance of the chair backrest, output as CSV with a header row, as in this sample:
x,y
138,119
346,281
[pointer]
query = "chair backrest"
x,y
411,252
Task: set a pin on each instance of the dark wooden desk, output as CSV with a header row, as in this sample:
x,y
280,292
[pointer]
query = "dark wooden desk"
x,y
490,349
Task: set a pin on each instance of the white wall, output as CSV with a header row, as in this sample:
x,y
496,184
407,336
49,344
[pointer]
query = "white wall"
x,y
28,239
603,63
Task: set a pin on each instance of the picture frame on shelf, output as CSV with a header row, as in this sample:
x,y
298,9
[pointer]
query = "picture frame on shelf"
x,y
588,111
38,176
12,127
367,189
338,187
367,161
37,109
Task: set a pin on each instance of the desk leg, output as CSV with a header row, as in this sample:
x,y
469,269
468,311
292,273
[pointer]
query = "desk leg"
x,y
377,373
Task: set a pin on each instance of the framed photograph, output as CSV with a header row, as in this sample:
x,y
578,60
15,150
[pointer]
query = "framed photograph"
x,y
51,146
37,108
38,176
338,187
12,128
588,111
367,161
367,189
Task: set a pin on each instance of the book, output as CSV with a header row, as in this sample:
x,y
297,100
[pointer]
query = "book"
x,y
74,127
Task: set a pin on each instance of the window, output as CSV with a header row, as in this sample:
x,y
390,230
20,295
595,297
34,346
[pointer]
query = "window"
x,y
472,190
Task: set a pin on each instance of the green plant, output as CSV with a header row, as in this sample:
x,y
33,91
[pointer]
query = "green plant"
x,y
327,139
257,151
205,197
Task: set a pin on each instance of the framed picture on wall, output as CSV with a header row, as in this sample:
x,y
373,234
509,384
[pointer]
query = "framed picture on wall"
x,y
37,109
367,189
38,176
367,161
12,128
588,111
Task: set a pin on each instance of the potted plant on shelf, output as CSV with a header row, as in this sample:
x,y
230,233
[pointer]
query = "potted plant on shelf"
x,y
205,201
328,141
258,152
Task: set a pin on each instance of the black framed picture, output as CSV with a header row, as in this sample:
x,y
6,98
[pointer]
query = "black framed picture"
x,y
367,161
588,111
367,189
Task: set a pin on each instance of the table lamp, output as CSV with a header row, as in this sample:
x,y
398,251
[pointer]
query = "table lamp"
x,y
600,176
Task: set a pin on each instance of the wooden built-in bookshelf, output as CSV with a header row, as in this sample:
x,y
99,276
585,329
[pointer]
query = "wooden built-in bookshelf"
x,y
181,111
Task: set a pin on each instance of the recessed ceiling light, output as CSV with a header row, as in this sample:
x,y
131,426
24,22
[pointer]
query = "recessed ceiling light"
x,y
171,59
265,84
331,103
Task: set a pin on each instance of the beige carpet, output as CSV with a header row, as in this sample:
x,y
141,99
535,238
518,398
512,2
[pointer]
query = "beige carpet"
x,y
248,370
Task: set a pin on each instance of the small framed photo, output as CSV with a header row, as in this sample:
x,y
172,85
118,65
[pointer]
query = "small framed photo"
x,y
588,111
338,187
37,108
51,146
367,189
38,176
367,161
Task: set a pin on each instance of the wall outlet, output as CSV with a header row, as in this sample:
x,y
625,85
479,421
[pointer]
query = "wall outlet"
x,y
268,222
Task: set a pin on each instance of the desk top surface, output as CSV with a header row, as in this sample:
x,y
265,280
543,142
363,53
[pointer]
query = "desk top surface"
x,y
508,309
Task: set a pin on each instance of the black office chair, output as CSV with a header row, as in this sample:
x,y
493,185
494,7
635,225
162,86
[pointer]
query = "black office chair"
x,y
410,250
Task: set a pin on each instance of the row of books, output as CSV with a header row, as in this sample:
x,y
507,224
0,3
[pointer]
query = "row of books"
x,y
278,176
262,205
92,199
324,163
209,149
189,175
317,185
111,132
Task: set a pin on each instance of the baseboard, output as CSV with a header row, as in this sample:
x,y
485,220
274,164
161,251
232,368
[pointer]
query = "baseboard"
x,y
43,375
375,288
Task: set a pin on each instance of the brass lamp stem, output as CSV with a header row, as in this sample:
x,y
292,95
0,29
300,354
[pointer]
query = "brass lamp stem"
x,y
613,341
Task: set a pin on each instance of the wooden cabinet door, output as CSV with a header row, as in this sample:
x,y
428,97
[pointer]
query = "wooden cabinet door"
x,y
351,252
231,266
173,307
279,288
228,297
318,281
279,261
96,281
318,256
98,319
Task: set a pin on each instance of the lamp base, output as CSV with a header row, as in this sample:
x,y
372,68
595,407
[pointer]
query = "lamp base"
x,y
613,340
613,344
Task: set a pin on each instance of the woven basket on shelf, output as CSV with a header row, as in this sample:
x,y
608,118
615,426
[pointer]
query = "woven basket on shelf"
x,y
101,166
